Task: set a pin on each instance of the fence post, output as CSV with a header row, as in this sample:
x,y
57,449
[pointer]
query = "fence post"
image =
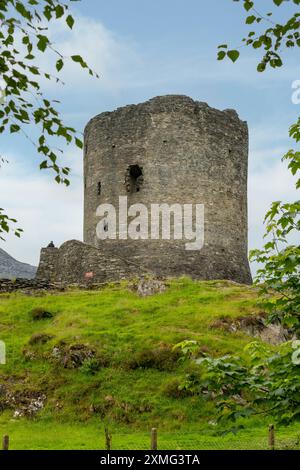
x,y
107,439
272,437
153,439
5,443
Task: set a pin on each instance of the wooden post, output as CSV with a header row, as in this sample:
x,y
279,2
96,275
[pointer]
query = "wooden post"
x,y
5,443
153,439
107,439
272,437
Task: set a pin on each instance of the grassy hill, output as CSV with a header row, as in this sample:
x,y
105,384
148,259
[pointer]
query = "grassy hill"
x,y
105,358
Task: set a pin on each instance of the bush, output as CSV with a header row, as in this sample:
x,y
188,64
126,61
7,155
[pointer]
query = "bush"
x,y
90,366
40,314
173,389
39,338
125,412
161,358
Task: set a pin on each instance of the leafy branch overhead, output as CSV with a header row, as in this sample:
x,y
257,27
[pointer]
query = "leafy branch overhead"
x,y
24,35
280,260
279,273
264,381
5,222
272,37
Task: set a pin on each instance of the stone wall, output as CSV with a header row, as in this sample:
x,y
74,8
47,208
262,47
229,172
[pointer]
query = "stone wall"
x,y
189,153
21,284
78,263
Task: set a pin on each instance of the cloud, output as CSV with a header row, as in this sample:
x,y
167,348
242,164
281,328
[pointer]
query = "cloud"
x,y
261,135
272,183
45,210
202,68
109,55
122,64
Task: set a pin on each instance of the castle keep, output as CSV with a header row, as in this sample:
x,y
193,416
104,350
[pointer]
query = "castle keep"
x,y
168,150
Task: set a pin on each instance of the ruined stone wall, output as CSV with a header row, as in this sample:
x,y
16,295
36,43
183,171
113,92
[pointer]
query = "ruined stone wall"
x,y
21,284
189,153
48,264
74,260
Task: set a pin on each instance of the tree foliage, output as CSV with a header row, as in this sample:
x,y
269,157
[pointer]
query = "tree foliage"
x,y
24,35
264,381
279,275
261,382
271,39
280,260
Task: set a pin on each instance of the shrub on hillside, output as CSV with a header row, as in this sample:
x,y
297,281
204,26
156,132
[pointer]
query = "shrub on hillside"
x,y
173,389
39,313
39,338
124,412
160,358
83,356
90,366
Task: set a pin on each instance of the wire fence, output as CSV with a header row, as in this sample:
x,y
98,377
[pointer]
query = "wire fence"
x,y
272,439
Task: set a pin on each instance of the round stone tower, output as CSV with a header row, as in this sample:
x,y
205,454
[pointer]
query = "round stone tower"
x,y
171,150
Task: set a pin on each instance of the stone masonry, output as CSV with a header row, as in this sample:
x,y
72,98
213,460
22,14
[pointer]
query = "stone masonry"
x,y
171,150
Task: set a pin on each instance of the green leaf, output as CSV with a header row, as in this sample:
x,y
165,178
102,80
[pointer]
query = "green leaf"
x,y
59,65
233,55
261,67
248,5
250,19
44,165
59,11
14,128
34,70
70,21
42,43
76,58
23,11
79,143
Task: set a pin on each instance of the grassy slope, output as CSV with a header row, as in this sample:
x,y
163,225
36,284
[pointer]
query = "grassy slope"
x,y
119,324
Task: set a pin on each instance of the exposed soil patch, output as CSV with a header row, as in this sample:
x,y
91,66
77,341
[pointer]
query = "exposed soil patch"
x,y
72,357
22,402
77,355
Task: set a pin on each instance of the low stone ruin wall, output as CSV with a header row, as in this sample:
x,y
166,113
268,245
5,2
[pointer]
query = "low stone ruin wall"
x,y
9,285
81,264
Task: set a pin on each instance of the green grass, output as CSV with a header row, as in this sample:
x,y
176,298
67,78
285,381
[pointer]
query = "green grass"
x,y
120,325
43,435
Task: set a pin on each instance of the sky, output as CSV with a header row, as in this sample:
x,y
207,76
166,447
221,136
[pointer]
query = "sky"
x,y
143,49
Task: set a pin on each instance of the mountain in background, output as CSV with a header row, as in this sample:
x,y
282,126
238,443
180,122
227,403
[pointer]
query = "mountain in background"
x,y
11,268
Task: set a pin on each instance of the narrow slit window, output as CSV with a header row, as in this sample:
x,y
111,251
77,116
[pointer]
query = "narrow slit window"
x,y
99,188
